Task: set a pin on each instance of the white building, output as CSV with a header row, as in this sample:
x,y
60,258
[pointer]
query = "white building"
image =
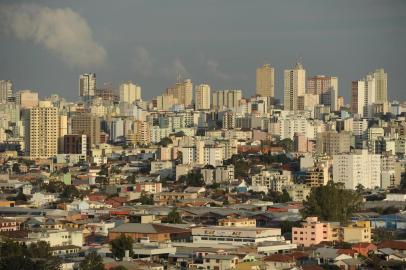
x,y
357,168
237,236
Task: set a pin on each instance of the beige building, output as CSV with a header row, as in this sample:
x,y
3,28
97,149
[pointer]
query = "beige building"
x,y
265,83
332,142
317,176
6,90
165,102
41,131
327,89
202,97
27,99
228,99
294,86
89,124
381,81
130,92
87,84
307,102
142,133
183,92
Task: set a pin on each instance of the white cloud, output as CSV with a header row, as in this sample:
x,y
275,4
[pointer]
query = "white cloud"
x,y
60,30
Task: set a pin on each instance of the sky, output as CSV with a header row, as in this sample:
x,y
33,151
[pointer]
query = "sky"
x,y
46,45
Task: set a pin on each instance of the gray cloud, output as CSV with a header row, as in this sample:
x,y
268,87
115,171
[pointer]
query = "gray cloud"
x,y
213,68
143,63
62,31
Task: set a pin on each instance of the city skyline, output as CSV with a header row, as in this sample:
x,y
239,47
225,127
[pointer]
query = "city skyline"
x,y
224,57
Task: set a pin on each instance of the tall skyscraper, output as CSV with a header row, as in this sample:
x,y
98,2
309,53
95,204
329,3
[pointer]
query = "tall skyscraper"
x,y
202,97
381,84
87,85
294,86
327,89
41,131
89,124
228,99
130,92
6,90
265,86
182,91
363,94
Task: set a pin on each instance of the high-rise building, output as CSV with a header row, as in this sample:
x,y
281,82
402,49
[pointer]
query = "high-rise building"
x,y
357,168
41,131
87,85
228,99
265,83
130,92
381,84
27,99
327,89
6,90
88,124
363,93
202,97
332,143
294,86
182,91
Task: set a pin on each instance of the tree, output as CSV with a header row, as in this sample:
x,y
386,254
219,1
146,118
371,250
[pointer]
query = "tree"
x,y
284,197
174,217
332,203
92,261
21,196
70,193
241,169
120,245
360,188
15,256
16,168
287,144
146,199
165,141
192,179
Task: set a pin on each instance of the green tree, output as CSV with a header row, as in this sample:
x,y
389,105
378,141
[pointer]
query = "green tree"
x,y
241,168
16,168
70,193
287,144
146,199
15,256
192,179
120,245
92,261
165,141
332,203
174,217
284,197
21,196
360,188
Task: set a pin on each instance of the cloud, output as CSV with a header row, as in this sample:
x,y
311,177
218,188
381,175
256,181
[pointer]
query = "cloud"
x,y
62,31
176,67
143,63
213,68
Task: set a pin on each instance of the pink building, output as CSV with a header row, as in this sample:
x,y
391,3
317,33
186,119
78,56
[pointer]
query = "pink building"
x,y
302,144
312,233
